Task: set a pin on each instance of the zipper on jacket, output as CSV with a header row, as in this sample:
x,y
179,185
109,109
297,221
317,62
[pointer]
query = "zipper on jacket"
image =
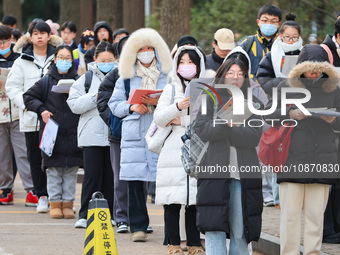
x,y
187,205
10,110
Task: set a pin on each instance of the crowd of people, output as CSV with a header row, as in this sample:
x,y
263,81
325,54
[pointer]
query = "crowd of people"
x,y
101,132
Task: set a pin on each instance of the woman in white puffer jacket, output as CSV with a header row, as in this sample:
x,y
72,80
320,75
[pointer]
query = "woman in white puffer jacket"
x,y
174,187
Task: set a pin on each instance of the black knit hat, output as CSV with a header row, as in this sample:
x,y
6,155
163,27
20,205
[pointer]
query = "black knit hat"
x,y
186,39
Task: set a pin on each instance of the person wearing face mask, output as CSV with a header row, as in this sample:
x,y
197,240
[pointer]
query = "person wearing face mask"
x,y
177,189
93,132
268,21
10,135
223,43
289,42
144,63
105,90
66,158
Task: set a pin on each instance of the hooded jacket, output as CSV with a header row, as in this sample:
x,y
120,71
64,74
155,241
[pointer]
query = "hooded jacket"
x,y
173,185
258,49
24,73
66,152
90,53
92,130
8,110
313,141
331,45
137,162
213,192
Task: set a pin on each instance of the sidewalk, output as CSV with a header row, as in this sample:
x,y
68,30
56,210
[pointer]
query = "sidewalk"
x,y
269,243
25,232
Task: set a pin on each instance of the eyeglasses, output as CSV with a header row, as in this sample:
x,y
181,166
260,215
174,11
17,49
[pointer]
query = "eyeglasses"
x,y
3,42
288,38
61,57
231,74
105,60
269,21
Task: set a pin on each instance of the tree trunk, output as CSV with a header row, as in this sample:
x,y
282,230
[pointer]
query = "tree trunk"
x,y
175,20
13,7
133,14
111,12
156,6
86,17
70,11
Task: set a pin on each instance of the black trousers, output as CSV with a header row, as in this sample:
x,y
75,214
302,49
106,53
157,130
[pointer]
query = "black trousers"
x,y
98,176
137,211
171,227
35,160
332,212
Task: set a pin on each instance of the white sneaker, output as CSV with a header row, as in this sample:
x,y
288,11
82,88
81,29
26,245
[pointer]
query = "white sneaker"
x,y
113,223
42,205
81,223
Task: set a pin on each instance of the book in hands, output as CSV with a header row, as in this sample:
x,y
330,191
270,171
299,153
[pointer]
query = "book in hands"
x,y
323,111
226,113
48,137
136,94
63,86
287,64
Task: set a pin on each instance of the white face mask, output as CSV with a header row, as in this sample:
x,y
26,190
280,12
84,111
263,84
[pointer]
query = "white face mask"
x,y
146,57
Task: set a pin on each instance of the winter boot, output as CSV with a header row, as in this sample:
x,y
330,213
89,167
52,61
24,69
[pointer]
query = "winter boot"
x,y
68,210
55,210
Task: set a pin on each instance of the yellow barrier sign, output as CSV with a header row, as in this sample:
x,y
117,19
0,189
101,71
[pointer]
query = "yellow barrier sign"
x,y
99,238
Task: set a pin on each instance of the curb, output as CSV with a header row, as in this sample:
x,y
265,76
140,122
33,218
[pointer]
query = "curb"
x,y
270,245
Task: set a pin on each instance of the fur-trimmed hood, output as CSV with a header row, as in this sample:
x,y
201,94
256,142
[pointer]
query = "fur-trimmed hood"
x,y
138,39
314,58
24,40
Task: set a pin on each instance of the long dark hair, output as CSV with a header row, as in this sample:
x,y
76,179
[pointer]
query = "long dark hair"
x,y
104,46
239,59
194,57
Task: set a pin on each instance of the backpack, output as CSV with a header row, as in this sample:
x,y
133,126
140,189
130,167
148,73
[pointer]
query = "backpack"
x,y
114,121
249,43
194,149
87,85
274,146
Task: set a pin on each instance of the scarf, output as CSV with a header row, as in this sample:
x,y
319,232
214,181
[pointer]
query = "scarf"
x,y
278,50
149,77
337,45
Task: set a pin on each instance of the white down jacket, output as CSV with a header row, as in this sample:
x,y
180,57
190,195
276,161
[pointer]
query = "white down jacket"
x,y
92,130
25,72
173,185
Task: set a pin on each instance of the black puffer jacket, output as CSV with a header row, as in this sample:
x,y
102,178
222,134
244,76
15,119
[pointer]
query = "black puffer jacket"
x,y
104,94
66,152
266,75
213,191
8,62
331,45
312,155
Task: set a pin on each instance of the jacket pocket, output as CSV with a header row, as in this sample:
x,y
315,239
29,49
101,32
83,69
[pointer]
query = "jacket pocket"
x,y
131,128
30,119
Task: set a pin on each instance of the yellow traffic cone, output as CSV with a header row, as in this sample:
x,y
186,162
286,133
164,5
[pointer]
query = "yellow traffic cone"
x,y
99,237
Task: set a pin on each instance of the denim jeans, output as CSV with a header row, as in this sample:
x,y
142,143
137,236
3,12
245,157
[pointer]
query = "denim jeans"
x,y
275,189
216,241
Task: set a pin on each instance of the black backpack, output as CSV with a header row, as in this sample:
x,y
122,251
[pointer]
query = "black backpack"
x,y
114,121
87,85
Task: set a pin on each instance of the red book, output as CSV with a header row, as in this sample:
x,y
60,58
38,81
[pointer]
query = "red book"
x,y
136,94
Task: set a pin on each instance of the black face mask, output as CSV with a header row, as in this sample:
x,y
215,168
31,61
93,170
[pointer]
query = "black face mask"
x,y
216,57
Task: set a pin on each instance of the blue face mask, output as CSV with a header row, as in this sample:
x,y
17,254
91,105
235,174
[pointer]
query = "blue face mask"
x,y
268,29
5,51
63,65
106,67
